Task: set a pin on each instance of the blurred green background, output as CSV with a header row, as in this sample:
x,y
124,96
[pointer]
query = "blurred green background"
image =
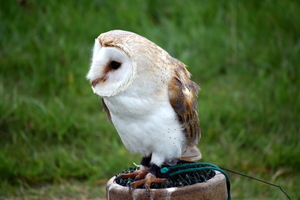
x,y
243,54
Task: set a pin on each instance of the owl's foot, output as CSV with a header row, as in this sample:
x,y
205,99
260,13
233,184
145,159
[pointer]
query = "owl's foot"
x,y
147,181
137,174
140,173
153,176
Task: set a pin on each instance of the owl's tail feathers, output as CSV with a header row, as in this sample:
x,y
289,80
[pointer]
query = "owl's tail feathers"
x,y
191,153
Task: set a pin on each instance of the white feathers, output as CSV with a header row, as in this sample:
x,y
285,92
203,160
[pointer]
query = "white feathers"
x,y
145,127
111,81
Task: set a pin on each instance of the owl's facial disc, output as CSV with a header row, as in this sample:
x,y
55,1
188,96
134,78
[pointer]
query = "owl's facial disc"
x,y
112,71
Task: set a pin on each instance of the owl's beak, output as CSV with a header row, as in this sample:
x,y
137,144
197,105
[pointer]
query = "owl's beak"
x,y
98,80
95,82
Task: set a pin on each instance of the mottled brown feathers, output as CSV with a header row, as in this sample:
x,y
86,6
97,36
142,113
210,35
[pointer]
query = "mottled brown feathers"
x,y
182,95
120,39
116,39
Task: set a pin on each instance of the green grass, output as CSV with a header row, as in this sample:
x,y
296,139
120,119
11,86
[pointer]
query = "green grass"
x,y
244,55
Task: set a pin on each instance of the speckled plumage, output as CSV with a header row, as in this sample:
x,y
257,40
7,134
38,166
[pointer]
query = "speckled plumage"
x,y
148,96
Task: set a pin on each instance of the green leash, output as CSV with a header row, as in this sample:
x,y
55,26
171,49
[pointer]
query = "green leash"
x,y
193,167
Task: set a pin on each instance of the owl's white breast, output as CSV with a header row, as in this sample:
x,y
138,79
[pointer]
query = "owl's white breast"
x,y
145,120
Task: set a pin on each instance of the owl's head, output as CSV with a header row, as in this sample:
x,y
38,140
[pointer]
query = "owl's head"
x,y
118,57
112,69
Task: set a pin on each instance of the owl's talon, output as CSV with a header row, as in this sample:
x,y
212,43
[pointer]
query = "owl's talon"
x,y
147,181
137,174
147,190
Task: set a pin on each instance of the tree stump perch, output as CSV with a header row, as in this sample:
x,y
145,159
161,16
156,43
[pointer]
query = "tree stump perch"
x,y
213,189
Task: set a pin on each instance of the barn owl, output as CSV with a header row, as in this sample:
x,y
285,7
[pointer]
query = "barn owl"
x,y
149,98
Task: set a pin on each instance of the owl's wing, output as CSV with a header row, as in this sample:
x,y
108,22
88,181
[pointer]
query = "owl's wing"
x,y
182,95
104,107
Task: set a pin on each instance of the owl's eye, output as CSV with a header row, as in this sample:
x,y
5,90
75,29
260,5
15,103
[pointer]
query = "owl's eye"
x,y
115,64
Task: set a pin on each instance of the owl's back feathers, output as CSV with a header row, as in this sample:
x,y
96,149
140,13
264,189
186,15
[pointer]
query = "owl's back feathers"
x,y
182,95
